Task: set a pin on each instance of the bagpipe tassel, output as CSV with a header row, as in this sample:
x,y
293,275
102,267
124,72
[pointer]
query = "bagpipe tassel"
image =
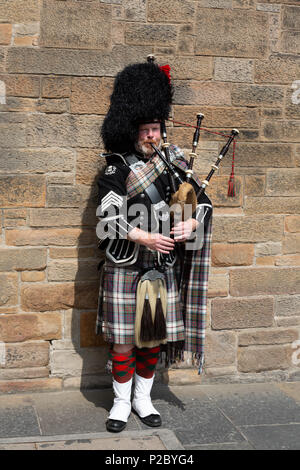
x,y
160,327
231,186
147,327
231,181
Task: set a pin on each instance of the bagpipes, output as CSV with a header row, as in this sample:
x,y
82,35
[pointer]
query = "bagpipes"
x,y
150,323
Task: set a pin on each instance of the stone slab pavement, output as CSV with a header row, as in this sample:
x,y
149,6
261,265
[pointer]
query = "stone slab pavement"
x,y
261,416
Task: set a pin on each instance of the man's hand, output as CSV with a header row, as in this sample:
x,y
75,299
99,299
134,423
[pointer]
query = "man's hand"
x,y
153,241
183,230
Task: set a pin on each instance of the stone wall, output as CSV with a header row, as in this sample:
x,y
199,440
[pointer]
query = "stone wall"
x,y
236,61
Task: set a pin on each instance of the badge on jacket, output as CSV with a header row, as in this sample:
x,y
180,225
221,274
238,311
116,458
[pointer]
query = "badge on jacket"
x,y
110,170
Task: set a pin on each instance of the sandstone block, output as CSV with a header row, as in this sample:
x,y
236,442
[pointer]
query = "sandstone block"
x,y
262,155
71,196
242,313
287,322
270,336
203,93
148,34
71,363
215,3
287,305
61,296
219,371
180,377
20,11
226,254
291,243
73,62
247,4
185,43
225,116
60,217
272,113
134,10
30,326
88,164
257,95
27,373
272,205
218,286
283,182
29,354
18,259
279,68
26,41
291,18
78,253
63,130
5,34
266,7
76,25
61,178
28,191
257,281
286,131
18,386
231,33
268,248
290,42
88,338
292,104
53,106
189,68
73,270
260,358
56,87
292,223
8,289
247,229
3,53
170,11
265,261
33,276
287,260
91,95
217,192
254,185
36,161
63,237
234,70
220,349
13,130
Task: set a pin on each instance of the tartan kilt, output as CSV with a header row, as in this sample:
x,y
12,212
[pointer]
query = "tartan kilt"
x,y
117,301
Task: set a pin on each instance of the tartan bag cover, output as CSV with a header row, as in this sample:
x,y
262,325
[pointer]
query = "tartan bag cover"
x,y
194,276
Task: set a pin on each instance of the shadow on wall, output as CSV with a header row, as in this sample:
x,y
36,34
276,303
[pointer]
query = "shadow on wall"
x,y
90,350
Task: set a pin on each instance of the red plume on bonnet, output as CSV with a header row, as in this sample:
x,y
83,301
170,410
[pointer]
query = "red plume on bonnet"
x,y
166,69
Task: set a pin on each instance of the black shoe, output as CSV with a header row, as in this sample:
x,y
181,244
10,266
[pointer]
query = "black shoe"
x,y
153,421
113,425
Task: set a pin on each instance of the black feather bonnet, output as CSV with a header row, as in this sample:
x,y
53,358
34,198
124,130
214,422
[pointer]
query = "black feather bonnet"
x,y
142,93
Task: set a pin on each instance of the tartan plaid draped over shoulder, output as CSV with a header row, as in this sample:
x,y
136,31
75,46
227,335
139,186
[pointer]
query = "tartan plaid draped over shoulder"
x,y
191,272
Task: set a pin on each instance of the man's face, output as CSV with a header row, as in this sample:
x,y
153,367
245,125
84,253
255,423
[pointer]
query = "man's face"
x,y
148,133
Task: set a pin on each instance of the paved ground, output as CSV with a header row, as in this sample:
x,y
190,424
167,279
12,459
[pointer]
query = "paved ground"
x,y
238,417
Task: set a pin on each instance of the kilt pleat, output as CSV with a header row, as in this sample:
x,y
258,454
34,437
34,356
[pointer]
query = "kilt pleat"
x,y
118,301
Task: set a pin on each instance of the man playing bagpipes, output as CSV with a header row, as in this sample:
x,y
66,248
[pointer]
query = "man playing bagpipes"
x,y
153,285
